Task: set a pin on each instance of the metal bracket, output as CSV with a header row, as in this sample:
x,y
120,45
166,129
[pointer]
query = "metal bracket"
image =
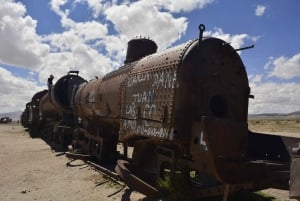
x,y
201,29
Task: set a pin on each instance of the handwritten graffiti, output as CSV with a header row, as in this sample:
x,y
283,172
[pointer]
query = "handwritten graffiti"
x,y
202,141
149,111
144,129
145,102
136,79
144,97
130,111
164,80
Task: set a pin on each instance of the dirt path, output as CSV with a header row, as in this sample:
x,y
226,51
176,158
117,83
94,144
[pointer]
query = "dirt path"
x,y
29,170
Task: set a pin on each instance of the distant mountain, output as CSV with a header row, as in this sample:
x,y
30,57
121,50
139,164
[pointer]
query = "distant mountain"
x,y
15,116
294,113
276,115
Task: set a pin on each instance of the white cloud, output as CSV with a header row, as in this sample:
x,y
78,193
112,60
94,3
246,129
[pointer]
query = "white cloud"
x,y
91,30
274,97
256,78
271,97
260,10
284,67
186,5
144,18
55,6
20,45
236,41
169,5
14,90
97,6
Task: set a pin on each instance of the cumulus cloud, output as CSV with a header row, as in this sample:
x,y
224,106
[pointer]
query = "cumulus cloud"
x,y
284,67
187,5
270,96
236,40
14,90
169,5
55,6
88,45
95,5
273,97
256,78
144,18
260,10
21,46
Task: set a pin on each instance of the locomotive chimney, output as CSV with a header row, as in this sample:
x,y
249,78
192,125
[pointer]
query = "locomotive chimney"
x,y
139,48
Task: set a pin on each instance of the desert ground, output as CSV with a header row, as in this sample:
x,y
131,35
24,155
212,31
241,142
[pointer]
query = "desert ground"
x,y
280,126
30,170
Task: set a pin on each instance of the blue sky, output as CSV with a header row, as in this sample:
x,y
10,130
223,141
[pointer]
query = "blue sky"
x,y
41,37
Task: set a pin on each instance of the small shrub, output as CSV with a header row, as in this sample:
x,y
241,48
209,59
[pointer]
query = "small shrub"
x,y
177,187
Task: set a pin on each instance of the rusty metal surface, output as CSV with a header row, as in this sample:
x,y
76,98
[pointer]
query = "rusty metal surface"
x,y
295,178
85,99
34,106
133,181
75,156
148,95
25,116
62,92
139,48
99,100
47,109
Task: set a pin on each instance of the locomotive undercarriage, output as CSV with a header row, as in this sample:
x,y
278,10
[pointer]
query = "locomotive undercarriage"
x,y
158,169
94,143
265,164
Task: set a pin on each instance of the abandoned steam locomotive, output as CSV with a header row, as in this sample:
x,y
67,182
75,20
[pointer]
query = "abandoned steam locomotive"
x,y
183,110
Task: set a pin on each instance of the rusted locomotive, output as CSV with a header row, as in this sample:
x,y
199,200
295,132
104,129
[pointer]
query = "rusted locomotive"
x,y
184,111
30,117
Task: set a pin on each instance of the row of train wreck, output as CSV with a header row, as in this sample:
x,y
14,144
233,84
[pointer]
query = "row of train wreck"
x,y
184,113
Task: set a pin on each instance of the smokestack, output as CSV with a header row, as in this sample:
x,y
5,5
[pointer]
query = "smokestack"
x,y
139,48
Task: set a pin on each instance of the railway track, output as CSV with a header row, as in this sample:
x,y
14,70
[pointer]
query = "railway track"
x,y
119,174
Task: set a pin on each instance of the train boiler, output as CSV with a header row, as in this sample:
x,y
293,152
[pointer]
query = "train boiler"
x,y
30,116
57,105
98,104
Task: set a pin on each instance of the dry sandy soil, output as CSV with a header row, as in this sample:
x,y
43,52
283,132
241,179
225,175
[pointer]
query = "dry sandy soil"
x,y
289,127
30,170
